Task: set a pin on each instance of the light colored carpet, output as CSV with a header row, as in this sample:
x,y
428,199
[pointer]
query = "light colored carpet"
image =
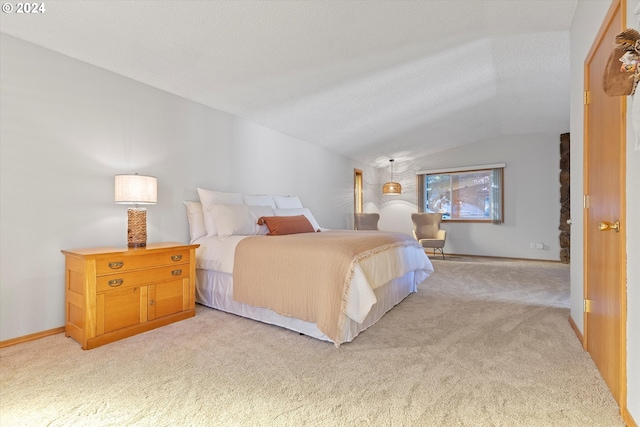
x,y
480,344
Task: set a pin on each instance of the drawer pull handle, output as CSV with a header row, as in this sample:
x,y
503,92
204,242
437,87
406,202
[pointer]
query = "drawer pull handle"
x,y
176,257
176,272
116,265
116,282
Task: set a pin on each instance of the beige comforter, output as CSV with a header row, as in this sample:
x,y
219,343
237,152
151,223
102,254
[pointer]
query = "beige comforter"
x,y
306,275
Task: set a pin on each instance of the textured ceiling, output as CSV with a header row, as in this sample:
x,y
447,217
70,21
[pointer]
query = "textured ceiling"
x,y
369,79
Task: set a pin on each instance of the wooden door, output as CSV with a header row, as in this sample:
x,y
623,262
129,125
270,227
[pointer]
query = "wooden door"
x,y
117,309
604,262
168,298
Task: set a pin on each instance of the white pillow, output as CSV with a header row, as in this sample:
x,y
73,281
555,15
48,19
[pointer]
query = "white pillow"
x,y
233,219
195,217
257,212
209,198
300,211
287,202
259,201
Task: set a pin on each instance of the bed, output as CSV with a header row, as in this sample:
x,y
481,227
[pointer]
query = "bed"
x,y
327,284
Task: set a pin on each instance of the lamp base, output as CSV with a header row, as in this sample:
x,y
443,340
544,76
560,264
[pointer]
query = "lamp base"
x,y
137,227
136,245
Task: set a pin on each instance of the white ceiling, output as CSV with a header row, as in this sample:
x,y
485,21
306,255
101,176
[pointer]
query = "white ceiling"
x,y
372,80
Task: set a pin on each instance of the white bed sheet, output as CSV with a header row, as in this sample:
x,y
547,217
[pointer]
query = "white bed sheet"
x,y
215,289
369,273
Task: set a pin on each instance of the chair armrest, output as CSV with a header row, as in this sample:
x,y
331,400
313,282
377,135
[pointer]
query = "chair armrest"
x,y
442,235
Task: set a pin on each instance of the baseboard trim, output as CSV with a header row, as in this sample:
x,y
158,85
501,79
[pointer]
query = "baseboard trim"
x,y
628,419
576,330
439,257
31,337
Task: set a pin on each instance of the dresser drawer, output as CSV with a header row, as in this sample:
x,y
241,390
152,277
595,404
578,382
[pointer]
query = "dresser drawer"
x,y
141,277
113,264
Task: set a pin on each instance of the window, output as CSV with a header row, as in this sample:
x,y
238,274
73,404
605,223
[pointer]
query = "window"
x,y
463,194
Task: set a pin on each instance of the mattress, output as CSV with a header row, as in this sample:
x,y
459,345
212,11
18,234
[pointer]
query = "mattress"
x,y
368,298
215,289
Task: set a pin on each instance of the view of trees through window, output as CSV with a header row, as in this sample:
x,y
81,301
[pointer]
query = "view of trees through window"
x,y
462,195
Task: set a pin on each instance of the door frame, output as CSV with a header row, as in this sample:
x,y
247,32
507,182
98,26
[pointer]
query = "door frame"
x,y
621,7
358,190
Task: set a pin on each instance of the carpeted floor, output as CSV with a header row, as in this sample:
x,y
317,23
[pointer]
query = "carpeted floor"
x,y
480,344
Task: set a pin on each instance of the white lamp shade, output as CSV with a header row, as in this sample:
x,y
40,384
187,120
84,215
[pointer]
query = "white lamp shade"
x,y
136,189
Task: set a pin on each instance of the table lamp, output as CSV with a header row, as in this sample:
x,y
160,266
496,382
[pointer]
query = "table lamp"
x,y
136,190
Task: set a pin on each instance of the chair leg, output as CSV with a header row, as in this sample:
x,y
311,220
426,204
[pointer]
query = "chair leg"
x,y
438,249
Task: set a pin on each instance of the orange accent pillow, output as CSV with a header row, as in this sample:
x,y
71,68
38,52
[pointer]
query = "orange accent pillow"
x,y
281,225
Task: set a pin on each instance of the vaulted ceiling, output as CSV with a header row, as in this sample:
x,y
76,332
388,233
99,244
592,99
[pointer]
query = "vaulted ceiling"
x,y
372,80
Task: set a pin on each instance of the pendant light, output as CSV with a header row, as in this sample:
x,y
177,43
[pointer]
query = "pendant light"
x,y
391,187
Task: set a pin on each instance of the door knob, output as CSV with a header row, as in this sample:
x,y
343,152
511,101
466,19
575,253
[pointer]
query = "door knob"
x,y
606,226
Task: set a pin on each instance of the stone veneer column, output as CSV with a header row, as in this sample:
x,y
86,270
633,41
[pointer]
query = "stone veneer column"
x,y
565,205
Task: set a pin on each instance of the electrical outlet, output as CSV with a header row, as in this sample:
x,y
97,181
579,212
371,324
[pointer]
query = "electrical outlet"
x,y
532,245
539,245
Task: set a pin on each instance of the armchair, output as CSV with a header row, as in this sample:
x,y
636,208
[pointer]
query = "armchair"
x,y
366,221
426,230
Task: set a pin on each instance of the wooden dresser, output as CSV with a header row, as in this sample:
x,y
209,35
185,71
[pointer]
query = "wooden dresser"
x,y
114,293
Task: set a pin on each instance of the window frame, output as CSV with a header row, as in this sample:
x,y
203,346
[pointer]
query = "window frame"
x,y
421,178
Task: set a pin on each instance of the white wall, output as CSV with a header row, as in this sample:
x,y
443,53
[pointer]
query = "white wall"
x,y
633,242
531,197
586,23
68,127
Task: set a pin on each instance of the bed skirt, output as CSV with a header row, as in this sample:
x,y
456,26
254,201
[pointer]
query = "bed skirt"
x,y
215,289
